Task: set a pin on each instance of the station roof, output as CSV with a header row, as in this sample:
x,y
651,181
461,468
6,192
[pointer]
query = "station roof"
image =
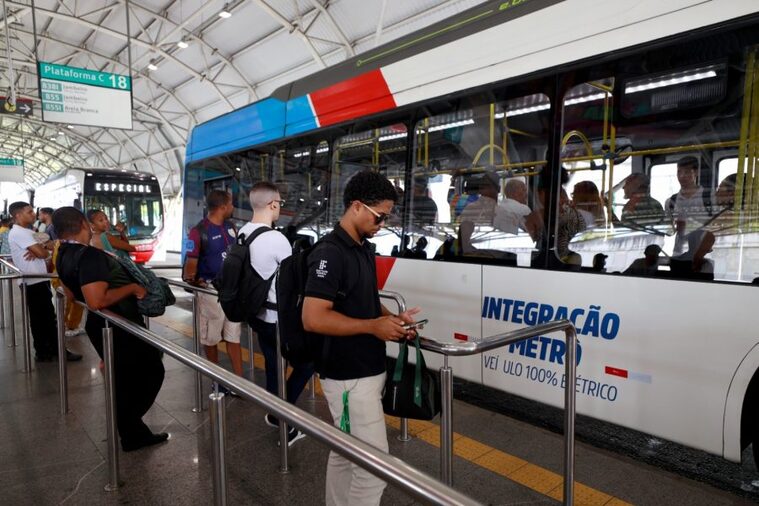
x,y
191,60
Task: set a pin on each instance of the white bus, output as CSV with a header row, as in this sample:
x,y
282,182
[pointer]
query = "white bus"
x,y
551,93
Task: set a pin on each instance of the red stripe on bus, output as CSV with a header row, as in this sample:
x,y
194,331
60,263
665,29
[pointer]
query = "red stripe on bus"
x,y
613,371
359,96
384,266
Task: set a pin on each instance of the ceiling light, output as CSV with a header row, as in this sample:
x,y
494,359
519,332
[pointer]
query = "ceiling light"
x,y
70,127
393,136
182,44
671,80
523,110
123,170
152,66
237,169
586,98
53,138
60,132
224,14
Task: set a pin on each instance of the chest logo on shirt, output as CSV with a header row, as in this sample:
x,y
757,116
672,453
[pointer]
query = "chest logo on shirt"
x,y
322,271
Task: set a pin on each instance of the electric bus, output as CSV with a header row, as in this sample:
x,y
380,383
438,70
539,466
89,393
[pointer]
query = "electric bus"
x,y
543,96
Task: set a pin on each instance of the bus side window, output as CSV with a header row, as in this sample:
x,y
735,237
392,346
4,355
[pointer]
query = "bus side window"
x,y
475,169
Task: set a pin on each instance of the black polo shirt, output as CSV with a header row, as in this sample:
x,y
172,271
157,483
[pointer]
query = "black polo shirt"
x,y
343,271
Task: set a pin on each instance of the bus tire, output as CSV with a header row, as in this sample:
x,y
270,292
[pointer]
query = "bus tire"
x,y
750,418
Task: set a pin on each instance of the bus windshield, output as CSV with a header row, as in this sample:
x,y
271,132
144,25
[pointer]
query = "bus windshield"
x,y
142,214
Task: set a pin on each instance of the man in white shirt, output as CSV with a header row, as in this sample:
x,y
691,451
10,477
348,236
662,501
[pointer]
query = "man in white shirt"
x,y
30,257
266,253
511,213
691,207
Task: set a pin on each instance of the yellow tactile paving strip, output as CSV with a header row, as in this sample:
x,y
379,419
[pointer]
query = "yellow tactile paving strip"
x,y
513,468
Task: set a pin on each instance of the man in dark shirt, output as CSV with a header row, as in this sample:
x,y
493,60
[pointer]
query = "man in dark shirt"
x,y
342,303
93,276
205,256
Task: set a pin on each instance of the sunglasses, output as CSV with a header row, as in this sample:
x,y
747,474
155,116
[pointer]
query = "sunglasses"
x,y
379,218
280,202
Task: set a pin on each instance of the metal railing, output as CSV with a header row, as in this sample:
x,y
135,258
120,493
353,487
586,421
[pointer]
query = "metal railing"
x,y
216,373
7,281
383,465
459,349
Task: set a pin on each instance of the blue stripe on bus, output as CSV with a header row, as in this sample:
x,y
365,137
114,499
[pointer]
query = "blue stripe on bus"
x,y
300,116
255,124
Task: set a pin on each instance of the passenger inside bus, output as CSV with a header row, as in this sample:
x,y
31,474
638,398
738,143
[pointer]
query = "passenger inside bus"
x,y
510,214
693,264
423,208
641,209
587,201
648,265
482,210
690,208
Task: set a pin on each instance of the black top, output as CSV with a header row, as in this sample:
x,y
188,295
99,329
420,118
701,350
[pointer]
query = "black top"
x,y
100,266
344,272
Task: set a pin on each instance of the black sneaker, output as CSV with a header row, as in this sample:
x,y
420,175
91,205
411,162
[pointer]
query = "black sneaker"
x,y
271,421
151,440
293,435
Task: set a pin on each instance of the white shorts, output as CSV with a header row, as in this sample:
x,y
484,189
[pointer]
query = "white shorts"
x,y
213,324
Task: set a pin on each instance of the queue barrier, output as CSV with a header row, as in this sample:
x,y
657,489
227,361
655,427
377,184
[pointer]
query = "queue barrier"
x,y
233,382
383,465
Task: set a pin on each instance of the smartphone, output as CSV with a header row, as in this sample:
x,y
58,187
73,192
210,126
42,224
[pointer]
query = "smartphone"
x,y
414,325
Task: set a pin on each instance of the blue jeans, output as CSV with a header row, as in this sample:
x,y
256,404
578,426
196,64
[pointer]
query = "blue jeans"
x,y
267,340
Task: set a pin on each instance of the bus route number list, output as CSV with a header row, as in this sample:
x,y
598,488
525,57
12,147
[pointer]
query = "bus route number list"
x,y
85,97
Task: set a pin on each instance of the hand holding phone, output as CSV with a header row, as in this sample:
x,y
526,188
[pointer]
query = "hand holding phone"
x,y
416,325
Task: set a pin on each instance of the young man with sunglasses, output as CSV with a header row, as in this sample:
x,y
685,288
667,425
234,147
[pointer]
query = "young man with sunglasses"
x,y
342,303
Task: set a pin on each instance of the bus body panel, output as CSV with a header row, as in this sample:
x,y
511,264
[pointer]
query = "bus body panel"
x,y
634,368
481,58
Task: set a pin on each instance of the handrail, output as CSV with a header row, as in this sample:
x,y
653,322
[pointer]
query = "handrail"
x,y
9,265
461,349
386,467
188,286
496,341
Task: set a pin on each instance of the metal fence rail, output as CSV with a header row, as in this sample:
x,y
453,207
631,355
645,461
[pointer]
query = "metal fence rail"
x,y
459,349
386,467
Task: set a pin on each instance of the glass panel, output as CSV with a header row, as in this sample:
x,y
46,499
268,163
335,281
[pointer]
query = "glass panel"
x,y
383,150
474,179
141,214
592,179
688,205
302,176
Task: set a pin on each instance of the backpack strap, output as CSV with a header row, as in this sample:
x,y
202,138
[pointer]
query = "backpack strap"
x,y
203,231
247,241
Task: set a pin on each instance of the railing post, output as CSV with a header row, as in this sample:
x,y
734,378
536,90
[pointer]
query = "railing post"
x,y
252,373
219,445
282,391
146,319
196,344
25,334
446,423
312,388
60,310
403,436
570,397
110,410
11,313
3,299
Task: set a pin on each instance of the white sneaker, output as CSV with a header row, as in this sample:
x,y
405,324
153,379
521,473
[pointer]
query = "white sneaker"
x,y
73,332
293,435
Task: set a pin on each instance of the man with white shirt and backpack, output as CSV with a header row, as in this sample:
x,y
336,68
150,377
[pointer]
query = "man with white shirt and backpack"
x,y
267,250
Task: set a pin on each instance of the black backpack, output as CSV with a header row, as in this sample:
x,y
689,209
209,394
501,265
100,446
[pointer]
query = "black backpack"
x,y
242,291
298,346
